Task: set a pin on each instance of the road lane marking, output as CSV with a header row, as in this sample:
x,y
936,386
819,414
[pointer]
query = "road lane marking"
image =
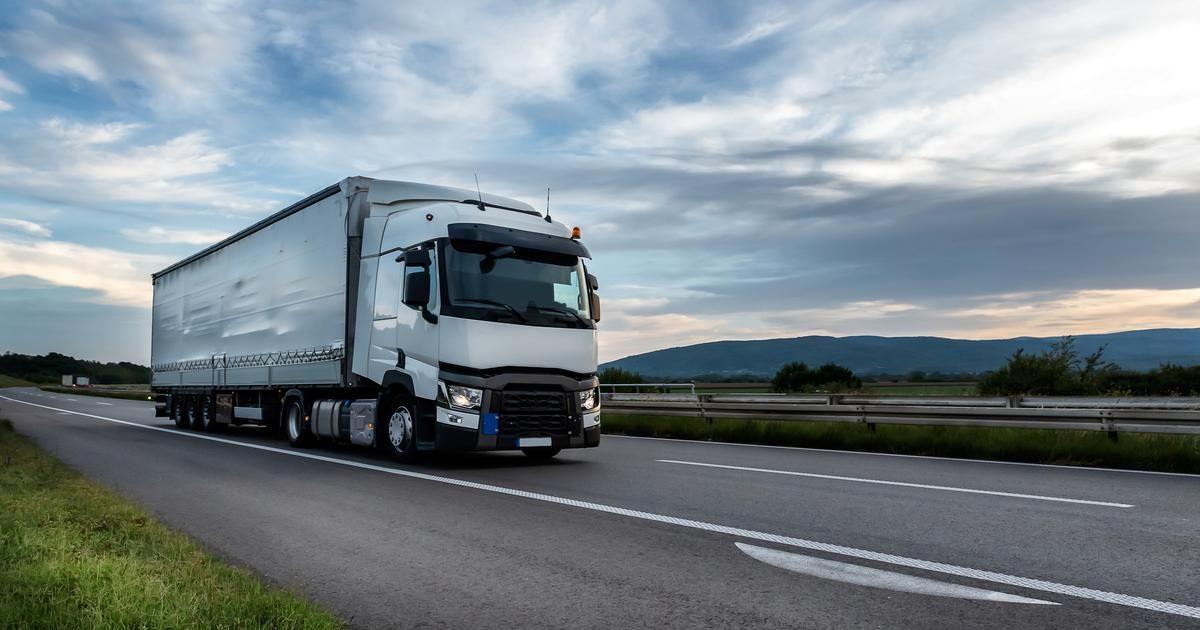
x,y
104,403
1119,599
882,482
877,578
933,457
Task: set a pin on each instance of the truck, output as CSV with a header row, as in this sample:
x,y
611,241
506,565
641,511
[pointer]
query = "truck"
x,y
406,317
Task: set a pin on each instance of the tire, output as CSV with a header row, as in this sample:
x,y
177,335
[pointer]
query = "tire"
x,y
398,432
292,418
542,452
182,415
203,418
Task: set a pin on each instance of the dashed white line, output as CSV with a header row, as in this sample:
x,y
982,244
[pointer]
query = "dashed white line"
x,y
839,550
103,403
882,482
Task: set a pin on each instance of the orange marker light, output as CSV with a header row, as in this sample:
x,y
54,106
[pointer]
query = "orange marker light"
x,y
576,232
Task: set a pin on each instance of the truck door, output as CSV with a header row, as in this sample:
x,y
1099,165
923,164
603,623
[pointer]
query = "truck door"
x,y
417,337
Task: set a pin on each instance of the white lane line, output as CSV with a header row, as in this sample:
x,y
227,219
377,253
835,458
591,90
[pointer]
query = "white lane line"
x,y
881,482
104,403
877,578
840,550
933,457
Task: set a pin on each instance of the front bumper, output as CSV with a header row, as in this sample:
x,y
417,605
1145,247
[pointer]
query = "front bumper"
x,y
518,407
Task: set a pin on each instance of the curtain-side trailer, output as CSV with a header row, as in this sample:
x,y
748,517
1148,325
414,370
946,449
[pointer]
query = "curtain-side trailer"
x,y
402,316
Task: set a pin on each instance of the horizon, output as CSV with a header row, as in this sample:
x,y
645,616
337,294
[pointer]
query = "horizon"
x,y
739,174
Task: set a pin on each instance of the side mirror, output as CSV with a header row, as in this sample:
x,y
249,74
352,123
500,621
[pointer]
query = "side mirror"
x,y
416,289
593,283
594,306
417,258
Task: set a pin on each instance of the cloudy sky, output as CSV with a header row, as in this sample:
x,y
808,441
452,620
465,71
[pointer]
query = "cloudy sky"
x,y
741,170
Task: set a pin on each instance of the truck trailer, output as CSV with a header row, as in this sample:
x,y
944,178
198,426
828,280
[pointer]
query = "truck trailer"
x,y
395,315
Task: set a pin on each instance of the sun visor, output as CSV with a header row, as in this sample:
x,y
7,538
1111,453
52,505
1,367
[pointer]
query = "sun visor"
x,y
517,238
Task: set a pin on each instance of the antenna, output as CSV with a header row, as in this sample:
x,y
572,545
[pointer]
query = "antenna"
x,y
548,219
480,193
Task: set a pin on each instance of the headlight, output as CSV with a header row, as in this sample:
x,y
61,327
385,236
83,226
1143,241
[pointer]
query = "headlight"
x,y
589,400
462,397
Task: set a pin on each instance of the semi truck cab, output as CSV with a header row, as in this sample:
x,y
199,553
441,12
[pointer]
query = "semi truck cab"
x,y
487,312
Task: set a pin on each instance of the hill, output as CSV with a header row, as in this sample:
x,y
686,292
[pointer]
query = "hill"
x,y
870,355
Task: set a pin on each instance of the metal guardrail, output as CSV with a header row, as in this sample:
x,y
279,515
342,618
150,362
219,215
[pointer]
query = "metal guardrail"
x,y
1110,415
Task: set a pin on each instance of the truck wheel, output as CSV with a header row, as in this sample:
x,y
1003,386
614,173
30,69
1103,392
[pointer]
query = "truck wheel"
x,y
203,420
293,420
541,452
180,411
398,435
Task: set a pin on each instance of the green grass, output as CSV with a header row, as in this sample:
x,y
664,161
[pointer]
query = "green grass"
x,y
921,389
125,394
1138,451
10,381
74,555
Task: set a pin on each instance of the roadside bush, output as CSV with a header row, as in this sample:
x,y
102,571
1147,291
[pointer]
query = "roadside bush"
x,y
798,377
1057,371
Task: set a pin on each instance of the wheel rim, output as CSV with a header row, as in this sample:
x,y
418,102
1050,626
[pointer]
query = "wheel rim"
x,y
400,430
293,422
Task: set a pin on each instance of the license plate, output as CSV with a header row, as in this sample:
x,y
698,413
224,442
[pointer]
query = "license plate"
x,y
528,442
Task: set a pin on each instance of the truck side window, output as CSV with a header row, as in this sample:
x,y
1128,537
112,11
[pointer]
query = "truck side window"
x,y
387,288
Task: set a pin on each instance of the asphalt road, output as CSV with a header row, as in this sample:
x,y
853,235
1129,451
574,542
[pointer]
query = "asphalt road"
x,y
655,533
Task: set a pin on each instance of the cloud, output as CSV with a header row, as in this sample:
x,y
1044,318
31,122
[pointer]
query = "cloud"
x,y
29,227
118,277
8,85
158,234
5,106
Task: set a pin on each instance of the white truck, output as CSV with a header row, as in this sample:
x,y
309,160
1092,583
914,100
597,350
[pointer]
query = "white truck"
x,y
401,316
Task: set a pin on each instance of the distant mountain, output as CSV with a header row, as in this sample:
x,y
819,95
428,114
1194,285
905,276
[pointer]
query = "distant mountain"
x,y
867,355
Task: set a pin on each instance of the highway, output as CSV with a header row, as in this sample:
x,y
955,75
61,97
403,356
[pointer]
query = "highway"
x,y
654,533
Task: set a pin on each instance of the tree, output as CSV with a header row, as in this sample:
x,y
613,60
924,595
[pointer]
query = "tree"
x,y
617,376
1057,371
798,377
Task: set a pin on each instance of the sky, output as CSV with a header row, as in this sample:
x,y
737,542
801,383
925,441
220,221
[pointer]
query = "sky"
x,y
740,170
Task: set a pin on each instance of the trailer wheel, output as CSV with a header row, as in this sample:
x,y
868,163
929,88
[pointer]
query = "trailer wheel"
x,y
179,411
203,420
293,420
398,432
540,452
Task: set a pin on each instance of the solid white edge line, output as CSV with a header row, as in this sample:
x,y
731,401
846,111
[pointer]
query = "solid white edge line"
x,y
905,484
840,550
933,457
859,575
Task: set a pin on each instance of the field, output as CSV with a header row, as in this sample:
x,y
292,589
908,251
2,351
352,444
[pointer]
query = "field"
x,y
1138,451
74,555
963,388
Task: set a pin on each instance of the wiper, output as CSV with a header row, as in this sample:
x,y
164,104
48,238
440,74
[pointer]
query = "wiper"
x,y
495,303
561,311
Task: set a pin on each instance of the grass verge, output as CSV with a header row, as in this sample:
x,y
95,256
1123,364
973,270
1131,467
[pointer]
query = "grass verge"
x,y
1136,451
94,391
11,381
74,555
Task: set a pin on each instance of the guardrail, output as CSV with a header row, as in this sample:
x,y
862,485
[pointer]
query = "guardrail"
x,y
1110,415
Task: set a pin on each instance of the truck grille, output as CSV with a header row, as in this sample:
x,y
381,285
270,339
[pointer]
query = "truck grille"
x,y
533,412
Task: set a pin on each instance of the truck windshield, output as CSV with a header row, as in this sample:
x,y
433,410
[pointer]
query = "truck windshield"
x,y
490,281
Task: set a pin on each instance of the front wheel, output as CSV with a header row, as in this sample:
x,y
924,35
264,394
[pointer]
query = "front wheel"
x,y
541,452
398,437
